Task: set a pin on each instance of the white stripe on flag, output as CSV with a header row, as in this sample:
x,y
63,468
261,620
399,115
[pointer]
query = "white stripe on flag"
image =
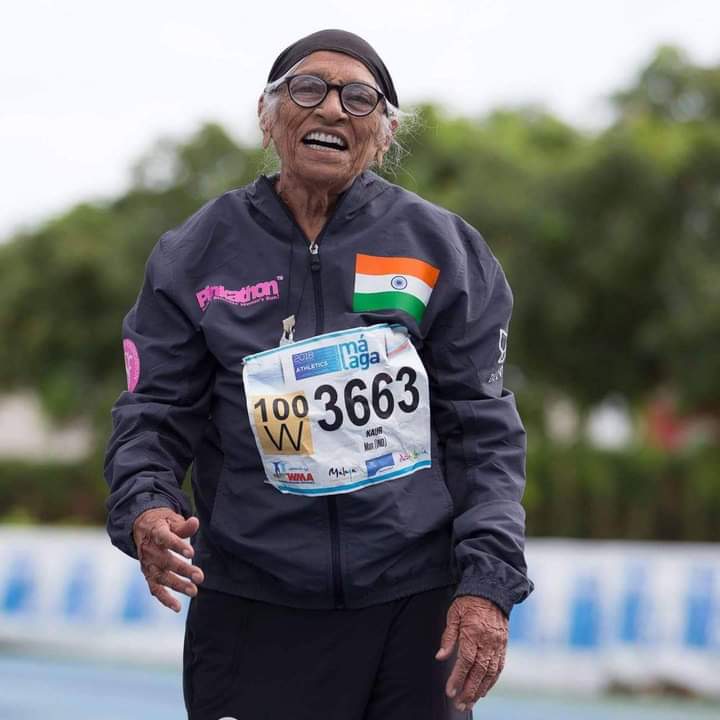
x,y
384,283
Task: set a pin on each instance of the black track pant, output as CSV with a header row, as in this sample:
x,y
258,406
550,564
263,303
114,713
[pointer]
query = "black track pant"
x,y
250,660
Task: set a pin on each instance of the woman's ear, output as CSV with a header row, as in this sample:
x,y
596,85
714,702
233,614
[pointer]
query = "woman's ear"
x,y
264,125
388,139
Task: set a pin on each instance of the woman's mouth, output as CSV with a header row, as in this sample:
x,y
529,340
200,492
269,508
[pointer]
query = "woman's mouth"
x,y
322,140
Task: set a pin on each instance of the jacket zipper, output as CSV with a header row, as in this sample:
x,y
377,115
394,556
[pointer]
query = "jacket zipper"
x,y
339,596
313,247
317,287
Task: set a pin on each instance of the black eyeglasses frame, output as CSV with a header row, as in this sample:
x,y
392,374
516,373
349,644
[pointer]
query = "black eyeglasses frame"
x,y
328,88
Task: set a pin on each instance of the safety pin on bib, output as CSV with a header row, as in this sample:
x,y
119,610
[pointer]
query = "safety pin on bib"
x,y
288,331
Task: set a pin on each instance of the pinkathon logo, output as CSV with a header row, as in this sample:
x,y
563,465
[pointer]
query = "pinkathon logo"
x,y
132,363
249,295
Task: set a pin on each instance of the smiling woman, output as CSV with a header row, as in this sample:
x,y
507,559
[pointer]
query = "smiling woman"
x,y
358,465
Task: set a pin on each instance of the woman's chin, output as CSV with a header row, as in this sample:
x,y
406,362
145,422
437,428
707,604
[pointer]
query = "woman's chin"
x,y
326,172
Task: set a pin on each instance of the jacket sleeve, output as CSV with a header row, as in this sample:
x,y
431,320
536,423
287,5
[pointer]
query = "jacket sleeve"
x,y
480,430
158,422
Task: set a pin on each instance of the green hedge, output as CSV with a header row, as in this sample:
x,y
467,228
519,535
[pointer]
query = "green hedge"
x,y
68,493
573,491
631,494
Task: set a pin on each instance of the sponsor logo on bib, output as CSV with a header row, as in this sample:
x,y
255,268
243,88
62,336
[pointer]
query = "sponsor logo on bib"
x,y
376,464
351,355
294,473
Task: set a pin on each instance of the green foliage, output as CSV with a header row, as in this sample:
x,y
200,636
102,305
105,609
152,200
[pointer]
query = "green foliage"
x,y
578,491
52,492
636,494
671,89
65,288
609,240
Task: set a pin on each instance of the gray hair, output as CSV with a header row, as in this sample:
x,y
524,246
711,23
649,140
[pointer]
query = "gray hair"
x,y
407,123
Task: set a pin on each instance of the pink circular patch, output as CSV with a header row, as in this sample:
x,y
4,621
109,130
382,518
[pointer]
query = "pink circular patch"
x,y
132,363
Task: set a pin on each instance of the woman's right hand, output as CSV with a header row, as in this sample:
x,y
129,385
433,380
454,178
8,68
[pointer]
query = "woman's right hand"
x,y
159,533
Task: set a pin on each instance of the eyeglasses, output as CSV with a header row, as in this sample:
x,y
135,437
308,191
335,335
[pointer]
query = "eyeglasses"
x,y
356,98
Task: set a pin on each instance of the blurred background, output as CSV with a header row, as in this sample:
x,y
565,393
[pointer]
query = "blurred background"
x,y
581,139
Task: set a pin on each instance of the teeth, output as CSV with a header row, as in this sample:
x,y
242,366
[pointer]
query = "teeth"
x,y
324,137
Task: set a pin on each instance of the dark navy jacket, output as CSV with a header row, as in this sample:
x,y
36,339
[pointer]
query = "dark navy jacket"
x,y
216,288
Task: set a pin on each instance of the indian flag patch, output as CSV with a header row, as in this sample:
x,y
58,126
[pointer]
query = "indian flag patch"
x,y
387,283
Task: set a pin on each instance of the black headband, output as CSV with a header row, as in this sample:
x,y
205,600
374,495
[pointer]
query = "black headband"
x,y
338,41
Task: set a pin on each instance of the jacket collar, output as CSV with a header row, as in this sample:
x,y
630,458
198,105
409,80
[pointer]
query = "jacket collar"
x,y
365,187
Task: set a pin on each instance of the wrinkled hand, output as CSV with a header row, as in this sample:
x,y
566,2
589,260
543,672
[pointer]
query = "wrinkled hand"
x,y
481,629
159,533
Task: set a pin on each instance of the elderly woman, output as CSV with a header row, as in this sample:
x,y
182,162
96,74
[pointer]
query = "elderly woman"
x,y
328,349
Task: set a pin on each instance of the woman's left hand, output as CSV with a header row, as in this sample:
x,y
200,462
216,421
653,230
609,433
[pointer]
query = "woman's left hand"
x,y
481,630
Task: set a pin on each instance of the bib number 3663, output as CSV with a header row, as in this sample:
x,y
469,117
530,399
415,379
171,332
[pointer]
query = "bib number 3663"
x,y
359,402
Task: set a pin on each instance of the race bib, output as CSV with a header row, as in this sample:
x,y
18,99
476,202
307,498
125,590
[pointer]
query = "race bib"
x,y
341,411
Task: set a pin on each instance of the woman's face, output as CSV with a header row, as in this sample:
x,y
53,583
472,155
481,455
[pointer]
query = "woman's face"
x,y
362,137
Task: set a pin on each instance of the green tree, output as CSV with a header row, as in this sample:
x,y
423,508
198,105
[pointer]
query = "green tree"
x,y
609,241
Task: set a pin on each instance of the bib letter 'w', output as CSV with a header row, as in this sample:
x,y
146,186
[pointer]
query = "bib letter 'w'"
x,y
387,283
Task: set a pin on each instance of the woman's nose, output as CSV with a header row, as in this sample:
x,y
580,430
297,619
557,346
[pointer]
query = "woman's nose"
x,y
331,105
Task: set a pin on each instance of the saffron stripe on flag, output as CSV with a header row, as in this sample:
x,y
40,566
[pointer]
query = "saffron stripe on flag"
x,y
376,265
363,302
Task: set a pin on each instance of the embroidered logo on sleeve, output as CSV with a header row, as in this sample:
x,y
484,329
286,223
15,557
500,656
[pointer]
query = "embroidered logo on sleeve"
x,y
502,347
248,295
132,363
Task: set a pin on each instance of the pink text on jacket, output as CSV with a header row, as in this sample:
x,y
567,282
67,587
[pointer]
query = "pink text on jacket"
x,y
248,295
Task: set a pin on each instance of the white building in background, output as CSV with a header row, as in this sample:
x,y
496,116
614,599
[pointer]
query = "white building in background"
x,y
608,425
26,433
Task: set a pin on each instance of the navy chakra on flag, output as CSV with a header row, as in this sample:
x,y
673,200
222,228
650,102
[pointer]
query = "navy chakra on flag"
x,y
399,282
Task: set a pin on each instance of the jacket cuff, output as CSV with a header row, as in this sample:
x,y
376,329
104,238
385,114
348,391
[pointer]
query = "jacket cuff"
x,y
121,533
502,593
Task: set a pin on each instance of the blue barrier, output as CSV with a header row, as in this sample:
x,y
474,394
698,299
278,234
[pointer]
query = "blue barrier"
x,y
522,619
700,607
634,606
79,598
19,588
138,605
589,597
585,614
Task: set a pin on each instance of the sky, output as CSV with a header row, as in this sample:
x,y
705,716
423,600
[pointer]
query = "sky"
x,y
86,87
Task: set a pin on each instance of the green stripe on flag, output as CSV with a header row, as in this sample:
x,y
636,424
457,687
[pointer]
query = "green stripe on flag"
x,y
363,302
